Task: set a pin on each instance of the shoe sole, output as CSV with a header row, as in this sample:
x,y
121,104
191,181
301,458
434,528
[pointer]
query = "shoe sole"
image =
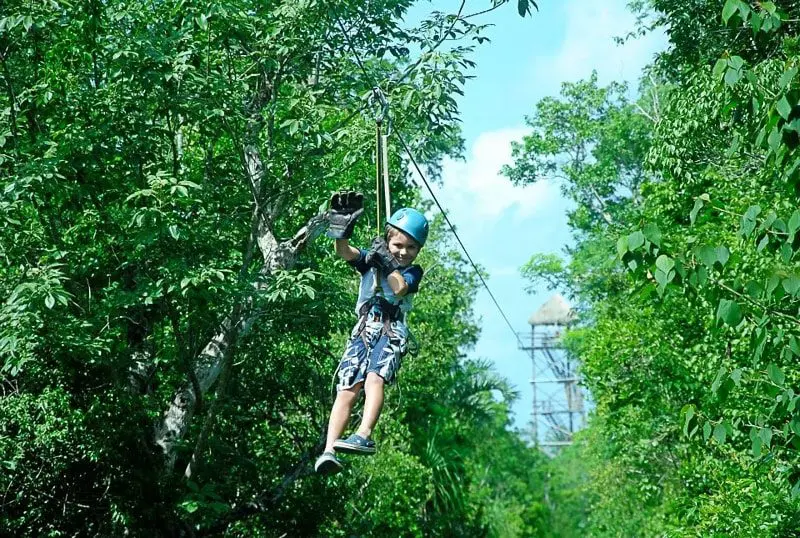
x,y
328,467
350,449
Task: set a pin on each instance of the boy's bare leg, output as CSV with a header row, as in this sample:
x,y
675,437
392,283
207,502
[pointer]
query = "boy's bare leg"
x,y
340,414
373,388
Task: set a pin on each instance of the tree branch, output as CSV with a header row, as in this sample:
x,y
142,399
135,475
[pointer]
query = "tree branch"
x,y
217,354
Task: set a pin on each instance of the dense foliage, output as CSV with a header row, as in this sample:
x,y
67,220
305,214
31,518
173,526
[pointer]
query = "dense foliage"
x,y
169,325
685,269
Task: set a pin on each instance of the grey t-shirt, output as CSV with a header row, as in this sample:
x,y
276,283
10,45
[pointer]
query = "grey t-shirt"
x,y
412,275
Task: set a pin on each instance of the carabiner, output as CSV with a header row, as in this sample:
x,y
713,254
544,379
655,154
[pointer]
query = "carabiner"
x,y
377,95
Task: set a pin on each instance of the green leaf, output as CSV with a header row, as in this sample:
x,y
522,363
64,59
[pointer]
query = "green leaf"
x,y
706,431
736,376
719,68
734,147
729,312
702,275
698,205
737,62
635,240
732,76
756,442
652,233
788,395
787,77
729,9
772,284
768,221
756,21
622,246
774,139
786,253
794,345
791,284
720,433
50,301
708,255
407,99
687,412
723,255
754,289
663,278
795,425
759,342
794,222
748,223
766,436
718,379
783,107
173,231
775,374
665,263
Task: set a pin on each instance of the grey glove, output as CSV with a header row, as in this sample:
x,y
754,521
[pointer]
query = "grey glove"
x,y
346,207
380,257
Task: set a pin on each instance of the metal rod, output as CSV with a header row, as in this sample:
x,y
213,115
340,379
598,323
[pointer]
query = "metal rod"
x,y
385,162
378,157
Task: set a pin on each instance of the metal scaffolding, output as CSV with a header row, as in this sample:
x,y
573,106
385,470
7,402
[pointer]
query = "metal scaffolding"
x,y
558,400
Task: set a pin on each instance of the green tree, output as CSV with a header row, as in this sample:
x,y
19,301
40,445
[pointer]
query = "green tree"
x,y
688,294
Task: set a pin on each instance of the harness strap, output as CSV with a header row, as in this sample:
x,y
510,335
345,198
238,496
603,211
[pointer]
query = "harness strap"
x,y
388,312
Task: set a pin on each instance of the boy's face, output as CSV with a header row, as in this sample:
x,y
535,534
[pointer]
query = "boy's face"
x,y
402,247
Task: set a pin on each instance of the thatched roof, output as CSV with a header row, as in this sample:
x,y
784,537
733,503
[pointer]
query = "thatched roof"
x,y
556,311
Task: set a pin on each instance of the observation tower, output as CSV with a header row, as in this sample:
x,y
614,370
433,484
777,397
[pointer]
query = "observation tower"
x,y
558,399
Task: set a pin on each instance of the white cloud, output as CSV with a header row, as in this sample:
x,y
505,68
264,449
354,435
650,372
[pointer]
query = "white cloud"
x,y
504,271
475,189
589,44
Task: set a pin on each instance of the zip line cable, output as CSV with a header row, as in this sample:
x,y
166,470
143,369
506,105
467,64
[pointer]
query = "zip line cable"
x,y
377,91
453,229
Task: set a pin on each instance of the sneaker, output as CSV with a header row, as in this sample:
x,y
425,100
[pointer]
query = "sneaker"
x,y
355,444
327,464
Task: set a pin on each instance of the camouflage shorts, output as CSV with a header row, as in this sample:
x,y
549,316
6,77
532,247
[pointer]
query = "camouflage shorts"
x,y
380,353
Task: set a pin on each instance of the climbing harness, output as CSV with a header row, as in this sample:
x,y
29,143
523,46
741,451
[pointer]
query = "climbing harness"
x,y
377,309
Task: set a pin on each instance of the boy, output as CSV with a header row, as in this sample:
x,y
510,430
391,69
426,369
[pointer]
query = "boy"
x,y
378,340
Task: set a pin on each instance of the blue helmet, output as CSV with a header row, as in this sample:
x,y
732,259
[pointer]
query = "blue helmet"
x,y
411,222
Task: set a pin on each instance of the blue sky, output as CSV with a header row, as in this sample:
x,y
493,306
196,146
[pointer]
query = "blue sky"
x,y
502,225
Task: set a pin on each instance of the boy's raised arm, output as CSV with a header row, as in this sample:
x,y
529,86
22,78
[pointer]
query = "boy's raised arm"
x,y
345,250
